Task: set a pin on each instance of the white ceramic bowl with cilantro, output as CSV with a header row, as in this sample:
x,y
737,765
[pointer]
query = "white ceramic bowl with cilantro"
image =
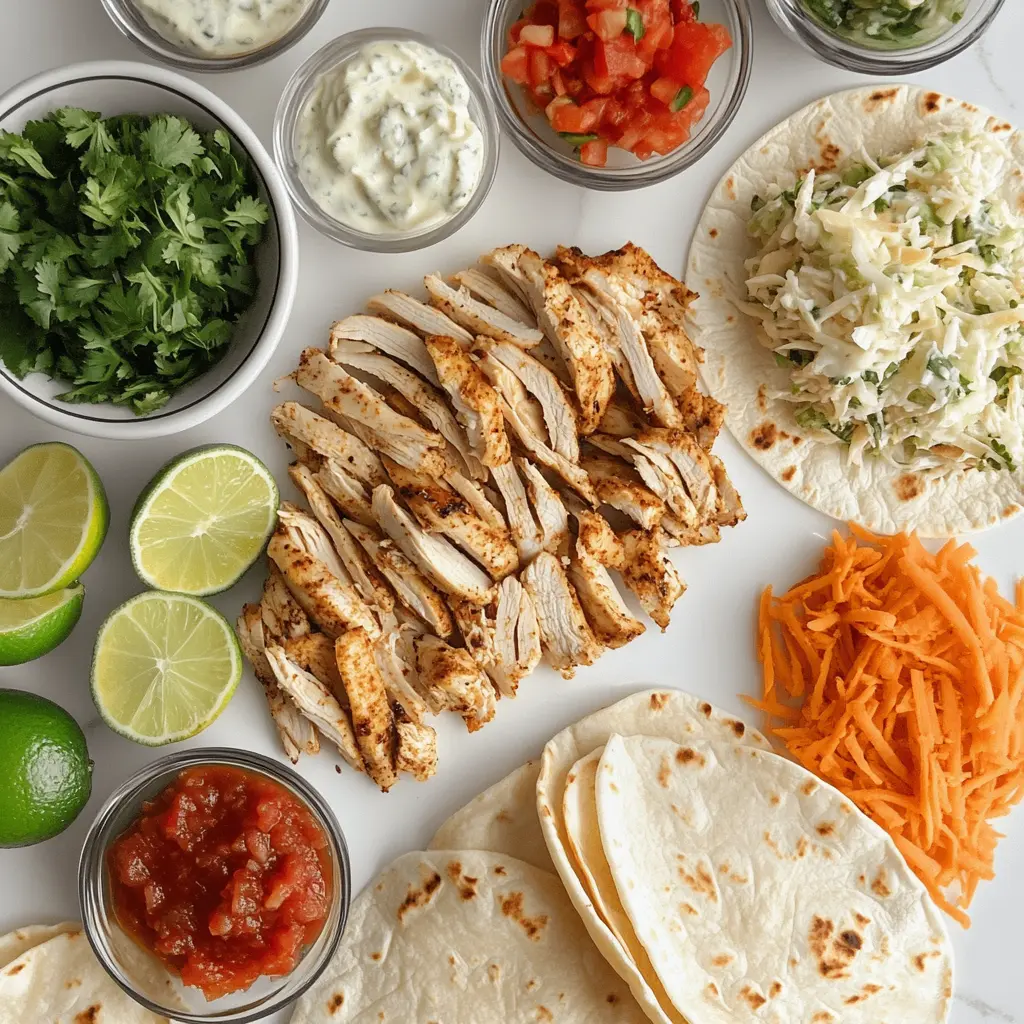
x,y
113,88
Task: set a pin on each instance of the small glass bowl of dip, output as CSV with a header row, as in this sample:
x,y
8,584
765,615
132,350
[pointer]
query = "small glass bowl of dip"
x,y
158,39
139,972
300,92
800,25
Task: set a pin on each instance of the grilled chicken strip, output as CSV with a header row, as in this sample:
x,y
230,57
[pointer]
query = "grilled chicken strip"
x,y
283,617
730,507
369,417
478,317
399,676
565,635
326,438
441,510
316,702
415,747
445,566
509,387
488,289
703,416
619,486
649,573
476,403
524,528
348,493
689,460
418,316
297,733
548,509
385,337
451,681
314,653
516,637
566,325
478,500
622,421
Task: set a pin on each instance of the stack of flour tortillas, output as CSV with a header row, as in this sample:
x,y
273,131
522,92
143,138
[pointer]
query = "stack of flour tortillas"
x,y
718,882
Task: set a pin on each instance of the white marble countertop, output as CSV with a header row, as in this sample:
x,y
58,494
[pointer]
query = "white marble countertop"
x,y
780,542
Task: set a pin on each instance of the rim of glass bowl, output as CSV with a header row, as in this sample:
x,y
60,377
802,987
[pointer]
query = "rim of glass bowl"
x,y
791,17
613,179
129,20
297,94
122,806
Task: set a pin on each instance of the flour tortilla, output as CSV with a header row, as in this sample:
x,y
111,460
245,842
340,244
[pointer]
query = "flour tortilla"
x,y
459,937
737,368
670,713
763,895
21,940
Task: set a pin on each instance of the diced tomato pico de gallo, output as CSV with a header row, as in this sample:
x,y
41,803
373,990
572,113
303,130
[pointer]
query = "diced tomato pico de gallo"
x,y
625,73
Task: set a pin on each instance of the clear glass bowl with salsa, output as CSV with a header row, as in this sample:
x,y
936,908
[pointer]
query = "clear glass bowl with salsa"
x,y
215,886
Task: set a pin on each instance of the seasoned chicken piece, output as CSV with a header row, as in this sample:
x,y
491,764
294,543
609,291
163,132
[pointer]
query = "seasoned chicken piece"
x,y
452,681
297,733
314,653
415,747
565,323
372,719
311,537
565,635
679,534
398,676
488,289
619,486
372,588
478,499
690,461
294,421
348,493
730,507
517,509
477,316
548,509
385,337
369,416
622,421
476,629
529,413
515,637
414,590
316,702
441,510
444,564
476,403
283,616
649,573
421,318
596,539
702,415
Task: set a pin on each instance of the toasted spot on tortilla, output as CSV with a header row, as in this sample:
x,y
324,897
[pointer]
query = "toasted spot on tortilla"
x,y
419,897
738,728
722,960
775,989
809,787
862,920
826,828
775,799
380,956
711,990
700,880
762,398
611,999
687,755
664,773
512,908
822,1017
909,486
543,1013
879,98
493,972
546,811
89,1015
730,187
932,102
72,982
335,1003
788,473
764,436
920,961
503,817
16,969
706,710
754,999
499,869
830,154
879,885
1010,510
613,787
689,909
658,701
464,883
713,232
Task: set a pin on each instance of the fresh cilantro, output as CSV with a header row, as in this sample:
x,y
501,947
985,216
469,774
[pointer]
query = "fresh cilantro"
x,y
1006,459
126,253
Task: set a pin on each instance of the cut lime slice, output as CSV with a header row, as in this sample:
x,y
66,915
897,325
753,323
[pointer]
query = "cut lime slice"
x,y
53,518
35,626
165,667
203,520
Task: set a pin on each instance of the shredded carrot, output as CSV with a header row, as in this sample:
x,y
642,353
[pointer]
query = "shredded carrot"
x,y
904,672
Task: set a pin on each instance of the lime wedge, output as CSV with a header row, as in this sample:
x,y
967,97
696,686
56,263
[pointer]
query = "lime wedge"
x,y
35,626
203,520
53,518
164,668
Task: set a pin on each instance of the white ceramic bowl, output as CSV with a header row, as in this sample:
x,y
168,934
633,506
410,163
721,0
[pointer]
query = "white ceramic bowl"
x,y
121,87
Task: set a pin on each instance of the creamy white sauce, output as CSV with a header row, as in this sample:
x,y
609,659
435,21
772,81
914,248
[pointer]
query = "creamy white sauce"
x,y
222,28
386,143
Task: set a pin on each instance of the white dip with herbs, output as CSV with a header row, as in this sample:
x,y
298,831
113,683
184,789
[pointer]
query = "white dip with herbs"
x,y
386,143
222,28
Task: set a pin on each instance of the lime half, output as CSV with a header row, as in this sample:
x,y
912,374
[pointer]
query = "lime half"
x,y
164,668
35,626
203,520
53,518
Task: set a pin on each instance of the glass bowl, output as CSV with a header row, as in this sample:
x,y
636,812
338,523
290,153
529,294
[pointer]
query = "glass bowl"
x,y
299,91
131,22
534,136
795,21
140,973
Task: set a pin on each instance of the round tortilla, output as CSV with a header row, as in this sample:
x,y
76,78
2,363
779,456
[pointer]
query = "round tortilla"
x,y
21,940
466,936
762,895
740,372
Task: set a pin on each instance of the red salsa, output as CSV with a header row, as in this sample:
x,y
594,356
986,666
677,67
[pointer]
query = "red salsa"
x,y
626,73
225,876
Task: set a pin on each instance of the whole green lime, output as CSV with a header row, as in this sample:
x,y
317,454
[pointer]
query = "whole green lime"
x,y
45,768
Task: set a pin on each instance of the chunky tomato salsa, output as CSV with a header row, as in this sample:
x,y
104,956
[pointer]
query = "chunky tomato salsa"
x,y
224,876
626,73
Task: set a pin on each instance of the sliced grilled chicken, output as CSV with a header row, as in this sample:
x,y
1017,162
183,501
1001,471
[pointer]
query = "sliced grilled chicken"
x,y
691,462
312,538
477,499
513,391
679,534
478,317
619,486
445,566
441,510
415,747
420,317
368,416
476,403
372,719
283,616
606,331
730,507
548,508
622,421
566,637
516,649
475,627
565,323
596,539
348,493
385,337
702,415
649,573
488,289
314,653
296,732
398,677
292,420
452,681
316,702
517,510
